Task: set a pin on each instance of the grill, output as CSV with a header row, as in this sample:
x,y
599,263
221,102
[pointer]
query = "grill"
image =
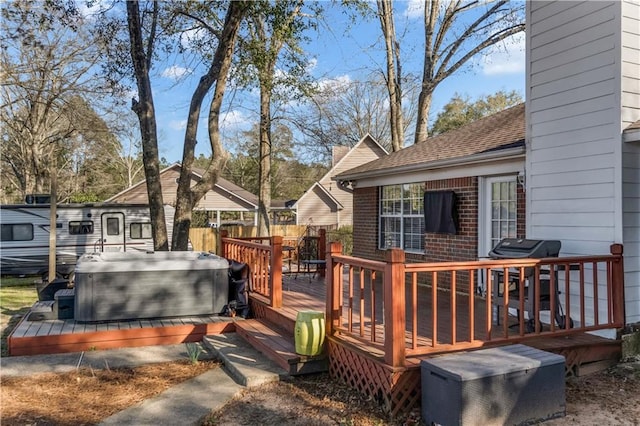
x,y
513,248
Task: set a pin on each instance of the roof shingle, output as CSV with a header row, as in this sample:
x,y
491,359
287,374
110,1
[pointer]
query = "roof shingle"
x,y
502,130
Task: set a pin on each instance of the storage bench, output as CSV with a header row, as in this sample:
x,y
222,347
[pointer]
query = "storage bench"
x,y
509,385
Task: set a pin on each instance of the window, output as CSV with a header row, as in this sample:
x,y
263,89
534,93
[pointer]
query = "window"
x,y
113,226
140,230
17,232
81,227
503,210
402,217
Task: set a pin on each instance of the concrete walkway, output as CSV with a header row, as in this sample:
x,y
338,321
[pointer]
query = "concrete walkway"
x,y
185,404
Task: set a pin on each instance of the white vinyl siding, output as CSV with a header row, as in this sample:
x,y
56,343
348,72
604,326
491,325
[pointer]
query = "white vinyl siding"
x,y
631,157
583,67
319,207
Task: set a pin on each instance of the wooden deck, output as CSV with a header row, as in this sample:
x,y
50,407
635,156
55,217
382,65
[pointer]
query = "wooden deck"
x,y
60,336
309,293
301,292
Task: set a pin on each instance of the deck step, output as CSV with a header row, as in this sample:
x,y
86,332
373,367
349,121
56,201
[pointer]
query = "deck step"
x,y
279,346
245,364
42,310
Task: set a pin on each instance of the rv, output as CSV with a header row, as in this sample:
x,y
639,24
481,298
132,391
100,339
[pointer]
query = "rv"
x,y
80,229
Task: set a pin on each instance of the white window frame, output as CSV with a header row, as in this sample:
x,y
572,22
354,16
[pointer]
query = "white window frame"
x,y
396,209
486,217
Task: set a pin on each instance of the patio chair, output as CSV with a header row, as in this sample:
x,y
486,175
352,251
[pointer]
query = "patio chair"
x,y
308,256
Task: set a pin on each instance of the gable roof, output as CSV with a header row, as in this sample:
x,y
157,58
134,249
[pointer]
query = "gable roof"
x,y
222,184
493,134
336,165
230,187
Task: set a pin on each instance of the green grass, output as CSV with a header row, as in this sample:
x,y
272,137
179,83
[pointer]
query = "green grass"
x,y
17,295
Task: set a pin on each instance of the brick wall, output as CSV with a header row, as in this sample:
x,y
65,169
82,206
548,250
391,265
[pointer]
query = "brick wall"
x,y
365,224
438,247
463,245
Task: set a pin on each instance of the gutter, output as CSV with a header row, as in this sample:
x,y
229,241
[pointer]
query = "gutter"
x,y
631,135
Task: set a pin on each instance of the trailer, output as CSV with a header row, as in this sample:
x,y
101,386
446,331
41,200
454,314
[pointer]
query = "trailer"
x,y
80,229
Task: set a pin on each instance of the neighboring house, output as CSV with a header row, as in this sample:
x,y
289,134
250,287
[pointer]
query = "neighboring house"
x,y
327,204
224,197
578,172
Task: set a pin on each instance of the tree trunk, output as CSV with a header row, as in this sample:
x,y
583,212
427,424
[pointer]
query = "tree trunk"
x,y
144,109
394,77
187,196
264,197
422,121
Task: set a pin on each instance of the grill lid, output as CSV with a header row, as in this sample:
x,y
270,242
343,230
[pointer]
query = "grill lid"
x,y
521,248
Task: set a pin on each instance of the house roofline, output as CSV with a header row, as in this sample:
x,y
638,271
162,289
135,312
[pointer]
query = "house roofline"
x,y
225,189
323,189
631,135
483,157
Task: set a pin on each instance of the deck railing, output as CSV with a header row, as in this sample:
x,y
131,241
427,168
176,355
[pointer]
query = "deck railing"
x,y
413,309
264,257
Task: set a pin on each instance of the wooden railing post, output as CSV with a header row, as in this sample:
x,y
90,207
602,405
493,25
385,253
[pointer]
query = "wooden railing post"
x,y
617,290
394,308
322,248
334,281
275,276
223,250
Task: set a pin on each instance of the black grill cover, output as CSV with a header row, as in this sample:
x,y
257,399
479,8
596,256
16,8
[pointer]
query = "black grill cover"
x,y
514,248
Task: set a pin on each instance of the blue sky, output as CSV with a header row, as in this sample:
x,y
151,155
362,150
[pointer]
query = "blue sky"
x,y
339,52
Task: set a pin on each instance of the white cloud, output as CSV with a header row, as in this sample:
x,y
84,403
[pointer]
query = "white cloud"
x,y
188,37
175,72
334,82
233,120
92,12
415,9
506,58
311,65
177,124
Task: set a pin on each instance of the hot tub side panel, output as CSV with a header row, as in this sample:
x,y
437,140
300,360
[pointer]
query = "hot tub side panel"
x,y
106,296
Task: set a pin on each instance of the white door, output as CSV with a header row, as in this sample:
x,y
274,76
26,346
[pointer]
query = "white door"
x,y
497,217
498,212
113,232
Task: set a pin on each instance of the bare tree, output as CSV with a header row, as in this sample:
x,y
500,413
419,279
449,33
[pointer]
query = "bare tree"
x,y
343,112
218,73
455,32
394,73
46,62
141,57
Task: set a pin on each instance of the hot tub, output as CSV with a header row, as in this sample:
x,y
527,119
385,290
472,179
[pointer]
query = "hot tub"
x,y
138,285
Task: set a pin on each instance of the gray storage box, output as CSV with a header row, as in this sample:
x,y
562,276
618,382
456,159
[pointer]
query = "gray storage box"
x,y
136,285
64,303
509,385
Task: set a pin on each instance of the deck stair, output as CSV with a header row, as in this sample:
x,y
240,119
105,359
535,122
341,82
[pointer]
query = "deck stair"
x,y
42,310
278,345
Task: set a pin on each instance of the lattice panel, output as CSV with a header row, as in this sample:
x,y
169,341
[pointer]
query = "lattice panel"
x,y
258,310
397,391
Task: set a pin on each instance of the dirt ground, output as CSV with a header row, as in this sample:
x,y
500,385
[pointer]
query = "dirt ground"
x,y
84,397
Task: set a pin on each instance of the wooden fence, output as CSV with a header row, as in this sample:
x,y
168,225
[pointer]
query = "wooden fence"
x,y
208,239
